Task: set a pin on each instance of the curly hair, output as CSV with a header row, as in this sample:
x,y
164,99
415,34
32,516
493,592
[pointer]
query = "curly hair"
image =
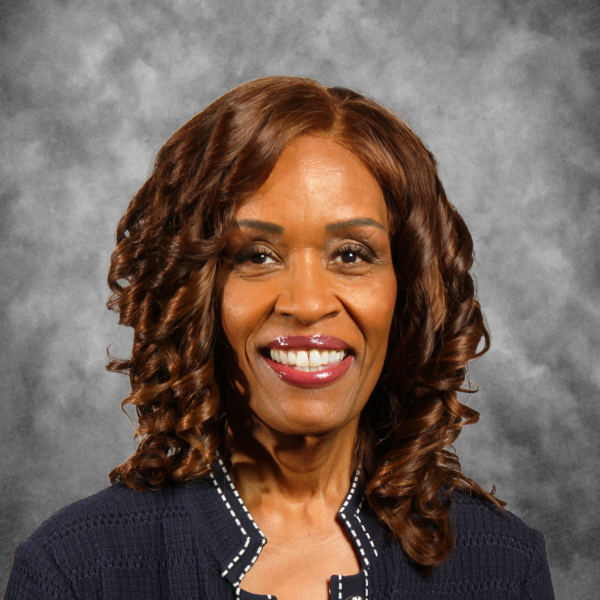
x,y
163,277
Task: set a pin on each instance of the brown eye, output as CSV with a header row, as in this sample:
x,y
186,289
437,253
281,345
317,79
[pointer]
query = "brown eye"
x,y
255,255
348,257
352,254
261,258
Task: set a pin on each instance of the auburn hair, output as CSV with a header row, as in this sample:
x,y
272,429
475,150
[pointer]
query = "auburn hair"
x,y
163,277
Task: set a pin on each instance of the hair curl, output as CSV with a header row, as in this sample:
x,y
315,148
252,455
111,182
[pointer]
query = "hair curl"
x,y
163,276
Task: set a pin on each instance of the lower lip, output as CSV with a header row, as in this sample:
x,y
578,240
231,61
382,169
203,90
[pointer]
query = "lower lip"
x,y
310,380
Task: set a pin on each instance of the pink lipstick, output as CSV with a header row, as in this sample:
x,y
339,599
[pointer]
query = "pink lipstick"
x,y
310,380
308,362
321,342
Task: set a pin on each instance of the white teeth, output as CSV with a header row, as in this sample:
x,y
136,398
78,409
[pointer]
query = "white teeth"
x,y
308,360
302,358
314,358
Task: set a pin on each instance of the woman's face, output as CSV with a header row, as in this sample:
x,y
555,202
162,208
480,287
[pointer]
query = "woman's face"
x,y
308,279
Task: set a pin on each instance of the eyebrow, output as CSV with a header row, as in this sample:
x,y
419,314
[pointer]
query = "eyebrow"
x,y
256,224
339,225
329,228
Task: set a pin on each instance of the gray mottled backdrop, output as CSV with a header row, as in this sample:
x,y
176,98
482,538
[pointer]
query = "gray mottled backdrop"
x,y
505,93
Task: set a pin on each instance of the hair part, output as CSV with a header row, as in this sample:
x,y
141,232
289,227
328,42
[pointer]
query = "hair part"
x,y
164,281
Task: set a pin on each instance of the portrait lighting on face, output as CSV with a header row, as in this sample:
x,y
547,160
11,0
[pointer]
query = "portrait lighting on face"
x,y
310,289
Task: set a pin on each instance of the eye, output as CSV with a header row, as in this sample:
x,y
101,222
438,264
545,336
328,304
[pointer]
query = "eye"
x,y
256,255
261,258
352,253
349,256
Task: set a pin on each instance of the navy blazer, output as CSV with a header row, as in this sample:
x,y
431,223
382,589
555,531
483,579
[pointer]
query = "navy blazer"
x,y
197,541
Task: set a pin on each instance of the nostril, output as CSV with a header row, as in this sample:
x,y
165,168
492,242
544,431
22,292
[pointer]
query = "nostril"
x,y
307,307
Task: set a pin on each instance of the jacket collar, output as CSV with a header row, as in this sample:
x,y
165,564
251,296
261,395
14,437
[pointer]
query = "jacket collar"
x,y
238,540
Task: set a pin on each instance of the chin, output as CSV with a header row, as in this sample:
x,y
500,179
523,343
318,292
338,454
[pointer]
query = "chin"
x,y
303,423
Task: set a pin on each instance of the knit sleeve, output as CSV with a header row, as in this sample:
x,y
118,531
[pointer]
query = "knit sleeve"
x,y
36,576
538,583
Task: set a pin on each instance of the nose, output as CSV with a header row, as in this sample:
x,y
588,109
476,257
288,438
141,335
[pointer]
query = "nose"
x,y
307,291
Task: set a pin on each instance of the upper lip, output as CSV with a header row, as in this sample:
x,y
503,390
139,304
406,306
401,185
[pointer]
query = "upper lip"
x,y
322,342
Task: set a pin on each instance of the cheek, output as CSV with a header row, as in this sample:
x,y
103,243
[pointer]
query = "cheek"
x,y
235,314
374,309
242,310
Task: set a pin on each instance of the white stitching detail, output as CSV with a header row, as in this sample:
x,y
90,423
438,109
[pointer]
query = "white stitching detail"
x,y
264,540
363,527
347,521
241,552
262,535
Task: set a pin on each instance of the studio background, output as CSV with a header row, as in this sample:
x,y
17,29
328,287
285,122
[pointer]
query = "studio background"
x,y
506,95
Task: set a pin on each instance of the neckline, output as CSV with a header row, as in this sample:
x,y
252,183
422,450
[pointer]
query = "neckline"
x,y
246,540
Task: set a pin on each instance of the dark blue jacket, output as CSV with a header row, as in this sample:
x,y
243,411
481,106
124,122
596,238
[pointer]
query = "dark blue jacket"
x,y
197,541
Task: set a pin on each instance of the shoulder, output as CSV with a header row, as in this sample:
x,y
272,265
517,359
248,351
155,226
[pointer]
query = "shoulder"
x,y
116,506
501,544
477,520
79,539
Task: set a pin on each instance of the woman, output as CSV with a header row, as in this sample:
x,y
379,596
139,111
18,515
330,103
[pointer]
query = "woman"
x,y
299,289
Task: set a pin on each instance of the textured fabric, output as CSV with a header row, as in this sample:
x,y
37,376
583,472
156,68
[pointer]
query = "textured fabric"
x,y
197,541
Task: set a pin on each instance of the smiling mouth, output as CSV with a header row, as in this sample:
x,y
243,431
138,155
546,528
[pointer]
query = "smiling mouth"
x,y
307,360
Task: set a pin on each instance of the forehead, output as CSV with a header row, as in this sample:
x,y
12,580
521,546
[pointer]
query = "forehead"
x,y
315,181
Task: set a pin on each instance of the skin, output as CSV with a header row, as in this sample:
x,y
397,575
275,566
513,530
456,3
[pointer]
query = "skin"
x,y
291,448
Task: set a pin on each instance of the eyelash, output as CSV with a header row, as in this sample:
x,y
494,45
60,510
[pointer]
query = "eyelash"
x,y
248,253
360,251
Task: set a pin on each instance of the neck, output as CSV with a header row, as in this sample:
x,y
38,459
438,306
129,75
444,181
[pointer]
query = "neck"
x,y
294,468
